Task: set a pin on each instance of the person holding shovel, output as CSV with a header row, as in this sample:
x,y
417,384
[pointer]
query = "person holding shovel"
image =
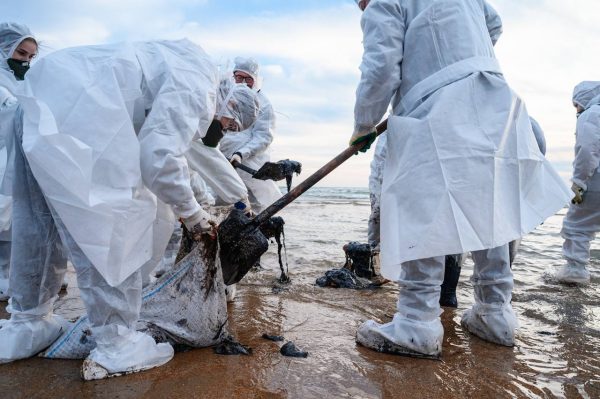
x,y
463,171
18,47
250,147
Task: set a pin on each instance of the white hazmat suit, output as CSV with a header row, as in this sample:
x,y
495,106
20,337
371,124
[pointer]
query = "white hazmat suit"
x,y
253,144
463,171
376,181
11,35
101,164
582,221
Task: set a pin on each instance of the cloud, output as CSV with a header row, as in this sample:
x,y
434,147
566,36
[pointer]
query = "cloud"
x,y
80,32
273,70
548,46
310,76
322,44
310,53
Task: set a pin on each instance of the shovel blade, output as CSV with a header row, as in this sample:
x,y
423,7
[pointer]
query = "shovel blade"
x,y
241,246
278,170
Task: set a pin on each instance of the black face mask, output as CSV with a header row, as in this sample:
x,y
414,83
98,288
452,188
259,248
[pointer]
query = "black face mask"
x,y
18,67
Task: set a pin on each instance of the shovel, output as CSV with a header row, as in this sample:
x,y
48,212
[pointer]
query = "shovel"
x,y
240,239
275,171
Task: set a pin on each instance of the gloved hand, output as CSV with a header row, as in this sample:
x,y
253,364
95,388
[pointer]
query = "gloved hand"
x,y
200,223
244,205
236,157
360,137
578,198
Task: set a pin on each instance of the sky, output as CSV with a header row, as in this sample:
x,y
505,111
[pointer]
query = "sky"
x,y
310,51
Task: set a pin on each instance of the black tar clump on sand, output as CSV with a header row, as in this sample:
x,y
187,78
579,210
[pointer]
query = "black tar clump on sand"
x,y
343,278
289,349
275,338
273,228
231,347
356,272
359,259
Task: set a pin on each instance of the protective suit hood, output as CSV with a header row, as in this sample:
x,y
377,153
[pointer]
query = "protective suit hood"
x,y
586,94
247,65
11,35
251,67
238,102
594,101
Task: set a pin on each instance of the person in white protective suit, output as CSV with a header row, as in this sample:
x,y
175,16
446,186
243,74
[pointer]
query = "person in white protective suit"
x,y
213,167
18,47
582,221
210,168
462,173
251,146
99,156
210,172
452,268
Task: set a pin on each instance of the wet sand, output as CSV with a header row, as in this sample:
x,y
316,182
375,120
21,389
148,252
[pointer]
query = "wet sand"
x,y
557,352
323,322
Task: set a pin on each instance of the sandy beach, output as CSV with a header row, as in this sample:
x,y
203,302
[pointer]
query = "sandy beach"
x,y
557,352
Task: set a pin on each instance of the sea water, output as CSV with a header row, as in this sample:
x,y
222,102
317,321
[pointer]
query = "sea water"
x,y
557,349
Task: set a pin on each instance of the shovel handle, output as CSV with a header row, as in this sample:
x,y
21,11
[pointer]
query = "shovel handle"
x,y
313,179
238,165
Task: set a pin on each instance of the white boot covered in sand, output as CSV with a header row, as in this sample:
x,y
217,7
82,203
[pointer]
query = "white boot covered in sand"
x,y
416,329
573,274
128,352
403,337
492,317
491,323
25,335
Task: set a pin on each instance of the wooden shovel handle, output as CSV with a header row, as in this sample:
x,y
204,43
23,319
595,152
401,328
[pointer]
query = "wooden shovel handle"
x,y
245,168
313,179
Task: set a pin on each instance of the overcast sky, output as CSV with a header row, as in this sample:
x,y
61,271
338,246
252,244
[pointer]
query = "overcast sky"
x,y
310,51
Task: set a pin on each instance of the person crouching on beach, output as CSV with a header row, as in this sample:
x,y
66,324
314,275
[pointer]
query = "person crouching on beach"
x,y
99,146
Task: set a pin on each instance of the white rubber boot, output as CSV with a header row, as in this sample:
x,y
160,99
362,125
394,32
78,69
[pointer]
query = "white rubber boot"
x,y
491,323
572,274
416,329
492,317
26,334
128,352
422,339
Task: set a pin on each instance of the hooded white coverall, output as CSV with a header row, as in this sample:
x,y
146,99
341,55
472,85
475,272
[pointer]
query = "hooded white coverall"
x,y
253,144
8,106
463,171
11,35
376,180
582,221
104,133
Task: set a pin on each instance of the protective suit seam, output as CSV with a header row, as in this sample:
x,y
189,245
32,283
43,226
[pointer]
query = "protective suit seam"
x,y
434,35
